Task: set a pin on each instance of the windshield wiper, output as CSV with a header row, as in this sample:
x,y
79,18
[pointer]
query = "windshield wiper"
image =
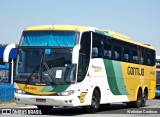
x,y
49,71
30,76
40,69
43,63
37,67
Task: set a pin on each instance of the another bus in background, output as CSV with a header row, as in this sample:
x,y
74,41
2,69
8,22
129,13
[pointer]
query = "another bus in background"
x,y
158,76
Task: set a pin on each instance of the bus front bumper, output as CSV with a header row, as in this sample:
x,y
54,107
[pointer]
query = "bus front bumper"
x,y
47,100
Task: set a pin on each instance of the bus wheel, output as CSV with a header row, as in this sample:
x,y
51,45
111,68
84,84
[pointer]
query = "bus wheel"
x,y
138,102
94,102
105,105
44,109
144,98
129,104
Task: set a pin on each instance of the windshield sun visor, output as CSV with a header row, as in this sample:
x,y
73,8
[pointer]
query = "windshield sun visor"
x,y
49,38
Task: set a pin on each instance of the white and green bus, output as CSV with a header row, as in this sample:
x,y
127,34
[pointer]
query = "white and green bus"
x,y
65,65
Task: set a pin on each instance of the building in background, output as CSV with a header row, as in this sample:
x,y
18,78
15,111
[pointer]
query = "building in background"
x,y
6,75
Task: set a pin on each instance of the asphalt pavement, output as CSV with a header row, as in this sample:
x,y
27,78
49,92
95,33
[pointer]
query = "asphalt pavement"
x,y
14,105
151,109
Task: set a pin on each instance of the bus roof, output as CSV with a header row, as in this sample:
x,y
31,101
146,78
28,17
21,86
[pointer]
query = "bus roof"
x,y
125,38
117,35
85,28
57,27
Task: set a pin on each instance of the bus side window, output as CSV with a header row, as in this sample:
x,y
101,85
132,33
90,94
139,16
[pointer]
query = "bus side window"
x,y
150,57
107,48
141,55
94,52
117,50
126,52
135,54
146,57
117,55
126,57
97,46
153,57
107,54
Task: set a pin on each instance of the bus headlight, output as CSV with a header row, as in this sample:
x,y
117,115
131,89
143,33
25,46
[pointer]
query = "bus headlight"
x,y
66,93
19,91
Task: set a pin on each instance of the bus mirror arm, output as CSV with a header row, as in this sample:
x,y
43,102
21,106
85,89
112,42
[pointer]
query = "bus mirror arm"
x,y
75,54
7,51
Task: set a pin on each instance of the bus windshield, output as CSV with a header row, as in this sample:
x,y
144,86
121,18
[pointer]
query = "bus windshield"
x,y
45,65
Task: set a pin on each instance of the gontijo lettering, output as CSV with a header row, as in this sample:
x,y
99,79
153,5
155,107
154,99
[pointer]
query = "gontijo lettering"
x,y
135,71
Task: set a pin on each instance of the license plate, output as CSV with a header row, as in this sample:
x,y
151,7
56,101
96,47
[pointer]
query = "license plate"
x,y
41,100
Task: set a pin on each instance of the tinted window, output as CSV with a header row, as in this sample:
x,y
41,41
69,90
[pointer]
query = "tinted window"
x,y
97,46
107,47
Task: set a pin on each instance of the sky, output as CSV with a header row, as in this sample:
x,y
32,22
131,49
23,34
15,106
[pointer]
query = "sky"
x,y
137,19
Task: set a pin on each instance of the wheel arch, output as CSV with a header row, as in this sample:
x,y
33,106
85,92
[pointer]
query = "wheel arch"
x,y
139,88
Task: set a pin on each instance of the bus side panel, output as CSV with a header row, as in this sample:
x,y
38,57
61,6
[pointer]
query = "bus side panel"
x,y
150,79
107,75
123,79
129,81
139,76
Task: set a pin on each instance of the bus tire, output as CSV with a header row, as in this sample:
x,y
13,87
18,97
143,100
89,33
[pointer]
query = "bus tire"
x,y
95,102
144,98
129,104
44,109
105,105
138,102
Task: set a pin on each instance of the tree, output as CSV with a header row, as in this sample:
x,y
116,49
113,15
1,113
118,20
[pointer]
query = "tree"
x,y
2,45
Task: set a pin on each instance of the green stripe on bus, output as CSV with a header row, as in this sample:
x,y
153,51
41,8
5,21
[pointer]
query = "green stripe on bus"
x,y
111,77
119,78
115,77
100,32
55,88
104,33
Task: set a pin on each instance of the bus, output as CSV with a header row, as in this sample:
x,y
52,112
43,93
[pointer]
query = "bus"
x,y
80,66
158,76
